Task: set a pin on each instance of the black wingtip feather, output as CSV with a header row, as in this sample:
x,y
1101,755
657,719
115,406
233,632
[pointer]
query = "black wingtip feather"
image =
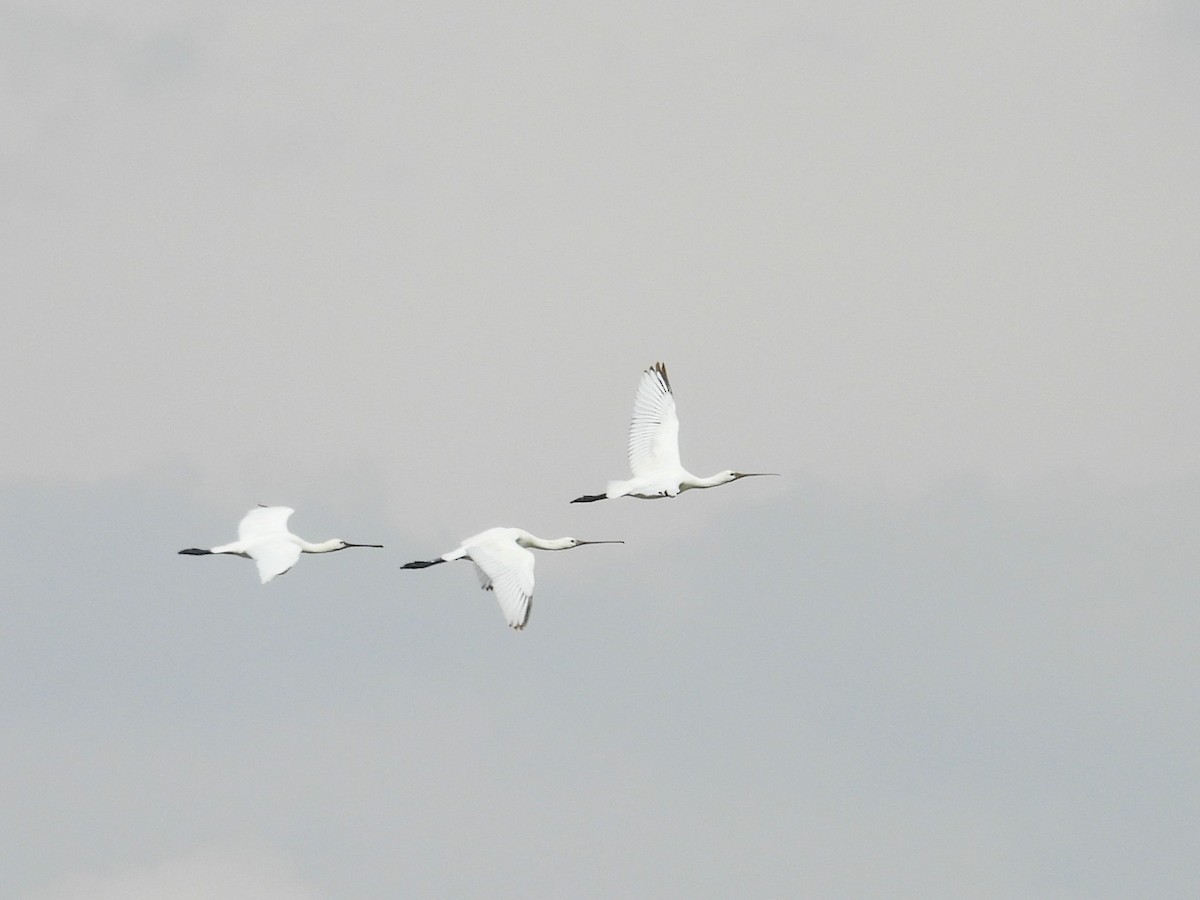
x,y
660,369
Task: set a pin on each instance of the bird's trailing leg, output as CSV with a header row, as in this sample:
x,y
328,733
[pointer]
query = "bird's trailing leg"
x,y
422,563
195,551
590,498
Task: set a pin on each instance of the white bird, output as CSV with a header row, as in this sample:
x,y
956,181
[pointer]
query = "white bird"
x,y
654,448
264,538
505,565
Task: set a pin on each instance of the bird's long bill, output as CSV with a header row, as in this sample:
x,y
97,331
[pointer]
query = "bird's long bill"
x,y
752,474
377,546
581,543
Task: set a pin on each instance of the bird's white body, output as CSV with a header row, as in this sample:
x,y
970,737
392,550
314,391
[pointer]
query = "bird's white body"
x,y
505,565
654,447
263,536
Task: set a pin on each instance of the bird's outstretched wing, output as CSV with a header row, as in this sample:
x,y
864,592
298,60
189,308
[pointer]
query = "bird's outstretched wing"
x,y
273,557
264,521
507,571
654,430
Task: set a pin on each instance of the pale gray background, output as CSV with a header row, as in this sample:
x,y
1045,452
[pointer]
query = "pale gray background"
x,y
399,265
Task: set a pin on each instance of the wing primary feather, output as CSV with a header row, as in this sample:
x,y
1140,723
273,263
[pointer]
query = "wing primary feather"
x,y
661,369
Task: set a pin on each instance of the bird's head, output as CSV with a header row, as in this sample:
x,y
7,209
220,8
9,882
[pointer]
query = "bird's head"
x,y
730,475
339,544
570,542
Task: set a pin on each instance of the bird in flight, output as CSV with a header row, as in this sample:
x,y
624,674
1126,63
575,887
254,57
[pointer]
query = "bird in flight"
x,y
505,565
263,537
654,448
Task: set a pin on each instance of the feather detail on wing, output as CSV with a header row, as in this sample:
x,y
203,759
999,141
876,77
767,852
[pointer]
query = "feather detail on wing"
x,y
263,521
507,571
654,430
273,557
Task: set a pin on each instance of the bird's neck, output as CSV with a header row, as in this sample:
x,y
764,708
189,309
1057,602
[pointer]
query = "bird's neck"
x,y
695,481
323,547
547,543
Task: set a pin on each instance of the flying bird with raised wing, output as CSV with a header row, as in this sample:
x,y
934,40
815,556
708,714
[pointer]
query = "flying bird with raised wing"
x,y
263,536
654,448
505,565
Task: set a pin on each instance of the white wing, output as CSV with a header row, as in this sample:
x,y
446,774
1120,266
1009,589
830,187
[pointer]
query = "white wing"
x,y
264,521
654,431
273,557
506,570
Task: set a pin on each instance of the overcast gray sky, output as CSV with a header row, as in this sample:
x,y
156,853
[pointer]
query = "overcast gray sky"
x,y
400,265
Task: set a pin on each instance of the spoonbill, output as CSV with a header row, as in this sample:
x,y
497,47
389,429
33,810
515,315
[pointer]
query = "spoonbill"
x,y
505,565
654,448
264,538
